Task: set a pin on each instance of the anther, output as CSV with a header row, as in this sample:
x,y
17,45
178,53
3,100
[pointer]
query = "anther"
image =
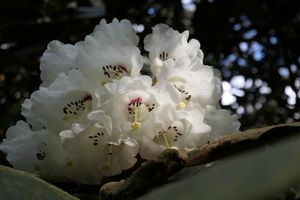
x,y
40,155
75,110
96,138
114,72
164,56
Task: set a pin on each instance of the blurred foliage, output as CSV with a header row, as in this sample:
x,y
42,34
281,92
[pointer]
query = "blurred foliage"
x,y
15,184
255,44
258,40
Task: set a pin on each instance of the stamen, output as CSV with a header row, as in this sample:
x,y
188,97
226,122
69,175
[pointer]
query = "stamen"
x,y
40,155
114,72
75,110
107,165
150,108
185,97
171,134
164,56
133,110
96,138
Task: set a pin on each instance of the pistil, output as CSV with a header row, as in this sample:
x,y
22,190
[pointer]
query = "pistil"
x,y
107,165
185,97
134,107
133,110
171,134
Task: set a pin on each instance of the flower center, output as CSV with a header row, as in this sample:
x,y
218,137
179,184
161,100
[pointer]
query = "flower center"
x,y
134,108
164,56
185,97
75,110
170,135
114,72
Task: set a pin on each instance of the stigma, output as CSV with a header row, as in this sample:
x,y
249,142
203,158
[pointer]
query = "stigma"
x,y
185,98
107,165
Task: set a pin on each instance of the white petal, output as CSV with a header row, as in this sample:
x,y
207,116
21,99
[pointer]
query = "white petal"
x,y
122,31
221,122
57,58
69,93
167,44
33,151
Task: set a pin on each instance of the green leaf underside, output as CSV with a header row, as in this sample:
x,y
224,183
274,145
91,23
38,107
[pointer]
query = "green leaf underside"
x,y
253,175
15,184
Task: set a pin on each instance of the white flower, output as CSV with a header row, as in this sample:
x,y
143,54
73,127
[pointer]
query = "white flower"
x,y
90,158
94,111
34,151
109,51
221,122
108,60
68,100
195,81
167,44
131,107
186,132
198,133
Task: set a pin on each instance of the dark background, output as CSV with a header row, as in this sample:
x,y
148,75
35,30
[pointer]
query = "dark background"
x,y
255,44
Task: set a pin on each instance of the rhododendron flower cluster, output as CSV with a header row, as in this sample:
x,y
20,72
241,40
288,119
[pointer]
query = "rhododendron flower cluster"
x,y
95,112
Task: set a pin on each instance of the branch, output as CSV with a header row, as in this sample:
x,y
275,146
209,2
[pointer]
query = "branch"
x,y
143,179
240,142
157,170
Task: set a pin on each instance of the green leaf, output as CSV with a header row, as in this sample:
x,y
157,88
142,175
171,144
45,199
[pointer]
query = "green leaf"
x,y
15,184
255,175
